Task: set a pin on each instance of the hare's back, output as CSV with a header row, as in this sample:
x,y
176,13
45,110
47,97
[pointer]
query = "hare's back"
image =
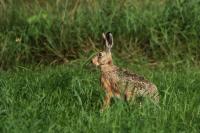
x,y
131,77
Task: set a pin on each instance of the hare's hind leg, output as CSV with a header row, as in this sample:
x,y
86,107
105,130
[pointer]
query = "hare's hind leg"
x,y
129,96
106,101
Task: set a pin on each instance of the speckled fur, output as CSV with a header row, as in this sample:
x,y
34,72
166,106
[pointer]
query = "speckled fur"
x,y
120,82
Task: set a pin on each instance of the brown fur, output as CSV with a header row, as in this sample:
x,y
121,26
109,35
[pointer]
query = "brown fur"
x,y
120,82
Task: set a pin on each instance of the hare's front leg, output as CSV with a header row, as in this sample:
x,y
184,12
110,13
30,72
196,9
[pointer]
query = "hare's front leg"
x,y
107,86
106,101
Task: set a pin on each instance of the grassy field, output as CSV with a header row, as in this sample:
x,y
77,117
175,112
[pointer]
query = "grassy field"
x,y
67,98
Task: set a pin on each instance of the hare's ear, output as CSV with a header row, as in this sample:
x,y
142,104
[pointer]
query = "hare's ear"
x,y
108,41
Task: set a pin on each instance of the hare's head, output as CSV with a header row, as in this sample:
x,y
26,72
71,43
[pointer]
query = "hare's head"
x,y
104,57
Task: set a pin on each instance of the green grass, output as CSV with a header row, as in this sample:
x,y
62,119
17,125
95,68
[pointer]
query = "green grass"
x,y
68,98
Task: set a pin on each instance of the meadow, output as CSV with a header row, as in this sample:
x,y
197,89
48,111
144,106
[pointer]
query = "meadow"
x,y
47,83
68,99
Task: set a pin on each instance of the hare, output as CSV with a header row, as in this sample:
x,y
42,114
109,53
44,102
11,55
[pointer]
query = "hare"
x,y
119,82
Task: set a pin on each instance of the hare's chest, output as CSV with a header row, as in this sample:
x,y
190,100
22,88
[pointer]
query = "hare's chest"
x,y
109,81
109,78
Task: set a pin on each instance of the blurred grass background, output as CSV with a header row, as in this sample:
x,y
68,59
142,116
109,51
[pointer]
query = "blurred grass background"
x,y
59,31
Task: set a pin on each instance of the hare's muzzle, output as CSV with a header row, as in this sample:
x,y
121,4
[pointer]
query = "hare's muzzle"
x,y
95,61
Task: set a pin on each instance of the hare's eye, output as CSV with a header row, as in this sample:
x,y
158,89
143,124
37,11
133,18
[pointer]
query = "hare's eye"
x,y
100,54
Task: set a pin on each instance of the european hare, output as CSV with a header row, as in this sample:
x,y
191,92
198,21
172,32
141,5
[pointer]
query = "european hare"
x,y
119,82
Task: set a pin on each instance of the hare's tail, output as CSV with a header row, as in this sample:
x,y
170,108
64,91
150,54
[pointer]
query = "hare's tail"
x,y
155,94
156,97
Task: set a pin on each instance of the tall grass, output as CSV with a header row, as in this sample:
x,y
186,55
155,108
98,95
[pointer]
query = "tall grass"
x,y
62,30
